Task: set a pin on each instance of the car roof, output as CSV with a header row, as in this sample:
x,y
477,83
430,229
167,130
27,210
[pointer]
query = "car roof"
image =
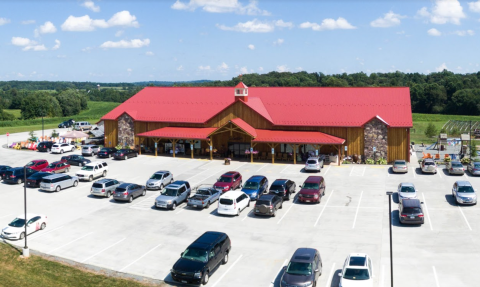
x,y
88,145
456,161
407,184
58,161
303,254
55,176
161,172
256,178
313,158
357,260
230,173
313,179
103,180
37,160
232,194
123,185
400,160
95,162
411,202
279,181
40,174
463,183
179,182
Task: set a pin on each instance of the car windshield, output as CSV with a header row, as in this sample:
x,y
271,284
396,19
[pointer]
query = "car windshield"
x,y
276,187
195,254
411,210
105,149
310,185
156,176
89,168
465,189
17,222
457,165
30,163
407,189
477,164
356,274
52,165
400,163
170,192
203,192
250,185
429,163
299,268
225,179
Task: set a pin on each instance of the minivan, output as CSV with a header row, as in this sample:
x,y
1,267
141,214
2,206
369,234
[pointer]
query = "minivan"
x,y
58,182
82,126
255,186
410,211
304,268
313,189
233,202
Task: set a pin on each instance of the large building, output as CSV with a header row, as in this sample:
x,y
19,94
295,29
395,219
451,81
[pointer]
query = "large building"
x,y
231,121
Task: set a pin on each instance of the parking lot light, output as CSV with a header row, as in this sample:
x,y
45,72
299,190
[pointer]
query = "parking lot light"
x,y
389,193
26,252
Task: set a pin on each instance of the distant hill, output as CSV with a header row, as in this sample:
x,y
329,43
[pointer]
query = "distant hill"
x,y
168,83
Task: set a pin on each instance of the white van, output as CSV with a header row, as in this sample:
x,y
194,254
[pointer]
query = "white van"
x,y
80,126
233,202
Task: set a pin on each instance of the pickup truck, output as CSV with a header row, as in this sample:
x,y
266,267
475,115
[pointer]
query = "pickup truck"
x,y
204,196
173,195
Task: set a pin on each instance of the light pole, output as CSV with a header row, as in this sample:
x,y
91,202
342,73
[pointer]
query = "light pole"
x,y
26,252
389,193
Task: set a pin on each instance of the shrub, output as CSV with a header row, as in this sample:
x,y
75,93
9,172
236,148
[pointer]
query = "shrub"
x,y
447,159
381,161
32,135
465,160
369,161
454,131
55,134
431,130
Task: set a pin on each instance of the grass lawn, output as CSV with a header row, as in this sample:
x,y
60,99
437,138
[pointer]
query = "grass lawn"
x,y
37,271
16,113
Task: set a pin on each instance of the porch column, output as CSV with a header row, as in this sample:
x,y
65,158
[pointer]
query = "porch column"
x,y
295,153
252,145
156,140
141,139
192,142
174,146
210,144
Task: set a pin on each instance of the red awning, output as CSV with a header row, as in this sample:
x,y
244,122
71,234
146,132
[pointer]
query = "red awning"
x,y
296,137
245,127
179,133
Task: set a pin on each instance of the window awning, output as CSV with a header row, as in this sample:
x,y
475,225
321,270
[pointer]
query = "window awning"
x,y
179,133
296,137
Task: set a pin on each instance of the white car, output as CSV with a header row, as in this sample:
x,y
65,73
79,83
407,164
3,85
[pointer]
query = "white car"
x,y
357,271
233,202
406,190
16,228
62,147
92,170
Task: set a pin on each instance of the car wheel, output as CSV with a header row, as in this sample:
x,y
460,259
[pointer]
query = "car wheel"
x,y
144,192
125,157
130,199
208,205
274,213
281,206
248,205
238,211
72,149
80,164
19,181
67,169
104,173
288,196
42,227
205,279
161,186
49,150
323,193
61,151
109,155
225,259
75,183
90,178
136,154
58,188
109,194
22,236
174,206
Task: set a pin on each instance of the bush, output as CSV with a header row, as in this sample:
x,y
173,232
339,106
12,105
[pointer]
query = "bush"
x,y
431,130
55,134
465,160
369,161
32,135
447,159
381,161
454,131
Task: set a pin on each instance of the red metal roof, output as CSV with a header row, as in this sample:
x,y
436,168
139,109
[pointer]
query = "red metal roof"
x,y
283,106
245,127
296,137
241,85
179,133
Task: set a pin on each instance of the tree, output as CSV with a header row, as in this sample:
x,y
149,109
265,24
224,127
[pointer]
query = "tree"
x,y
431,130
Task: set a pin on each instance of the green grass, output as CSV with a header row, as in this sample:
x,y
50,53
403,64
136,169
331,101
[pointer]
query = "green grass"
x,y
37,271
16,113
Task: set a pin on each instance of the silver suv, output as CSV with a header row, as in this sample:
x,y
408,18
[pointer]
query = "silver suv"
x,y
314,163
104,187
58,182
428,165
173,195
464,193
90,149
159,180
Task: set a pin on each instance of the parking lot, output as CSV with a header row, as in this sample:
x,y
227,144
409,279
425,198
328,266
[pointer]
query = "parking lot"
x,y
352,217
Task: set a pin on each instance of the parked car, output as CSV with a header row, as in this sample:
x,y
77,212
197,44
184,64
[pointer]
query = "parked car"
x,y
201,258
455,167
406,190
106,152
255,186
57,167
428,165
104,187
37,164
76,159
268,204
16,175
357,271
203,197
45,146
90,149
66,124
400,166
410,211
464,193
313,189
233,202
125,153
474,168
128,191
93,170
62,147
16,228
35,179
159,179
229,181
3,169
283,188
304,268
314,163
81,126
58,182
173,195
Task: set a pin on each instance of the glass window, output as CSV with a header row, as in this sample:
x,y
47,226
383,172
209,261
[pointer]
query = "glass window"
x,y
226,201
251,185
299,268
17,222
276,187
465,189
170,192
407,189
356,274
195,254
310,185
225,179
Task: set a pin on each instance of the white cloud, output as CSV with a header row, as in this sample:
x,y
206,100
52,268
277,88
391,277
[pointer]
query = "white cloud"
x,y
35,48
27,44
57,45
282,68
390,19
260,69
299,68
28,22
149,53
443,11
281,23
85,23
4,21
87,49
243,70
474,6
119,33
180,68
278,42
441,67
464,33
223,67
135,43
90,5
221,6
434,32
251,47
20,75
204,68
401,32
328,24
253,26
129,70
47,28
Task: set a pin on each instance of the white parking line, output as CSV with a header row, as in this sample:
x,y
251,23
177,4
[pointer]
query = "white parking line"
x,y
247,215
426,210
435,275
285,168
261,168
330,276
287,210
272,284
363,173
55,249
327,170
351,171
221,277
358,208
382,276
440,173
140,257
413,171
323,209
468,224
102,251
42,234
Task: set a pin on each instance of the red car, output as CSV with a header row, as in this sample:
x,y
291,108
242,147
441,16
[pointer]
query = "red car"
x,y
313,189
228,181
57,167
37,164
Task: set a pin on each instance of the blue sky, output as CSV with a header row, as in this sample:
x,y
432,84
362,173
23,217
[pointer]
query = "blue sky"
x,y
181,40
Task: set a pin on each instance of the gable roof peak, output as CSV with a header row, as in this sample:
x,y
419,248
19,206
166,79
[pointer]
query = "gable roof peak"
x,y
241,85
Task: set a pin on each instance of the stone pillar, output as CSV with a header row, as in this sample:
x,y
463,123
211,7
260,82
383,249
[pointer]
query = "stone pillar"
x,y
375,135
126,130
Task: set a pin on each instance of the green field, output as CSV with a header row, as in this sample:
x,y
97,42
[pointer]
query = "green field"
x,y
37,271
16,113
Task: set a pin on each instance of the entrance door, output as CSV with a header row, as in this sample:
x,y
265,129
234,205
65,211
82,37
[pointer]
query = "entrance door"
x,y
238,149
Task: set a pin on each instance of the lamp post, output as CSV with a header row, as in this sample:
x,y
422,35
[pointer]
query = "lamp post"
x,y
389,193
26,252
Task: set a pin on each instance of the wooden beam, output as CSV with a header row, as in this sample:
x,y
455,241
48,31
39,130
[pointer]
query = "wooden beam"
x,y
156,140
174,146
210,144
140,139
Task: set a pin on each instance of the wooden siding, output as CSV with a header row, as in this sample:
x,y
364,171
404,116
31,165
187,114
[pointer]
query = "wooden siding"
x,y
111,133
398,146
355,139
239,110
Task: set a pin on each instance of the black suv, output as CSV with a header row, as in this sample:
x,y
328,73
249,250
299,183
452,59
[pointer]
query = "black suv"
x,y
124,153
35,179
76,159
3,169
283,188
201,258
410,211
67,124
268,204
303,269
16,175
45,146
107,152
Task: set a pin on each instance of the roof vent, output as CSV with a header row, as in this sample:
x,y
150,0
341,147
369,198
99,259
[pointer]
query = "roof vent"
x,y
241,92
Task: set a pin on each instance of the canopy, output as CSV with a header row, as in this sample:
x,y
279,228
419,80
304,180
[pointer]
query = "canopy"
x,y
179,133
74,135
